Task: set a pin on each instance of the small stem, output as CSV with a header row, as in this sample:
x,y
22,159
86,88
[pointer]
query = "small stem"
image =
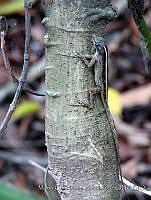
x,y
146,34
9,69
31,162
23,78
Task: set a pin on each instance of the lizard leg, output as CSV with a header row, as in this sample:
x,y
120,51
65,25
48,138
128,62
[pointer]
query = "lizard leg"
x,y
89,105
93,92
86,62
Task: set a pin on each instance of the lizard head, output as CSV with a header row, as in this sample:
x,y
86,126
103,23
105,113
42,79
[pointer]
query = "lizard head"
x,y
98,43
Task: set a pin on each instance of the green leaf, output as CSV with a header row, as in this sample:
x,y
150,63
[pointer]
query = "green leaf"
x,y
11,6
9,192
26,109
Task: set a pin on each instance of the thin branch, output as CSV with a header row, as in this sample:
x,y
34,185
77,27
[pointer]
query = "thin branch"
x,y
50,182
46,171
46,184
6,59
21,158
146,34
31,162
137,8
135,187
23,78
27,89
4,50
126,182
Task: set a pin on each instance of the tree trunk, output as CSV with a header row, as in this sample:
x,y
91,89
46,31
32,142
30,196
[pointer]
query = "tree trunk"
x,y
81,149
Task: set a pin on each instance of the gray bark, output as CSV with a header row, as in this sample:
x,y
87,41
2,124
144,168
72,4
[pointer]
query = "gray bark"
x,y
80,144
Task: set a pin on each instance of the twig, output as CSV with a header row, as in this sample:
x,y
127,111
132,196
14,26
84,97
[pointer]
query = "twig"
x,y
46,184
126,182
146,34
31,162
23,78
50,182
137,8
27,89
135,187
46,171
7,144
21,158
3,30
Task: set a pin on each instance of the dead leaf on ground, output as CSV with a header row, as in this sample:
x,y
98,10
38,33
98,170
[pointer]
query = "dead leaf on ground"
x,y
130,168
137,96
